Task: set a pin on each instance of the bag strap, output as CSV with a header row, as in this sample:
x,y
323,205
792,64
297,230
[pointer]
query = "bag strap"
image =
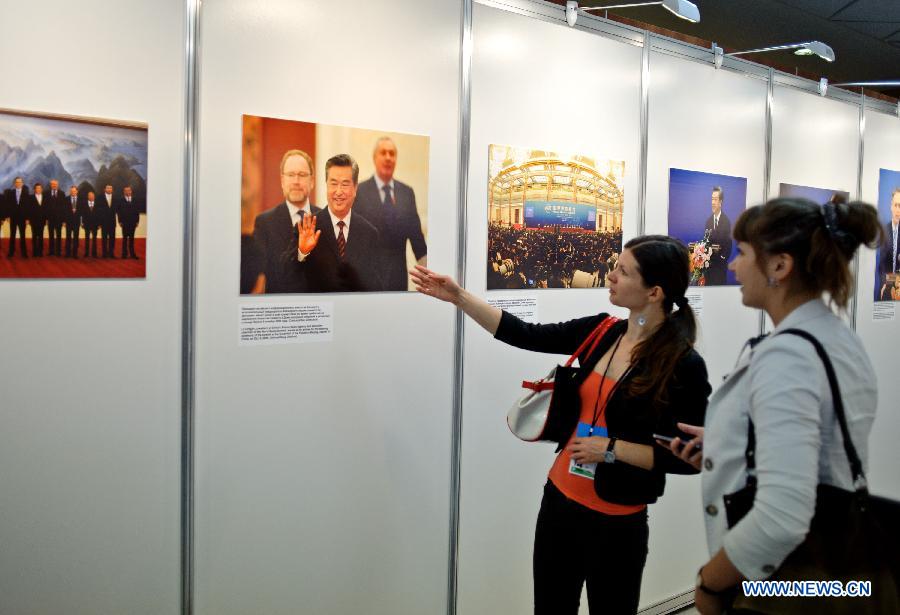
x,y
593,339
855,463
856,469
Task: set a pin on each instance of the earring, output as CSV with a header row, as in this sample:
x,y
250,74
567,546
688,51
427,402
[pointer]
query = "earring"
x,y
642,320
772,283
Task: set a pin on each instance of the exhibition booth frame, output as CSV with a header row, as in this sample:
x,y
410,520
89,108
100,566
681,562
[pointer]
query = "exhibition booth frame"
x,y
372,471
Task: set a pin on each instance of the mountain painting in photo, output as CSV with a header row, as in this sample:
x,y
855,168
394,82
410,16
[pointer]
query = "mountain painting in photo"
x,y
84,154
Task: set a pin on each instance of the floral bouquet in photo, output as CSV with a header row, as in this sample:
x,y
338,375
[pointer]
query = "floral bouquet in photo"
x,y
701,251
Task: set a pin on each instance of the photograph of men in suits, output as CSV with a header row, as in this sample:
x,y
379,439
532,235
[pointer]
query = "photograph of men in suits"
x,y
17,206
37,216
274,230
889,258
337,249
56,207
129,215
107,205
390,205
72,219
719,227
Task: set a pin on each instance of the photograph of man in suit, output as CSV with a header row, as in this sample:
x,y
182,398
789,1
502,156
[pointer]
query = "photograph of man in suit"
x,y
390,205
17,206
720,234
107,205
274,230
56,207
37,216
889,259
90,221
72,218
337,249
129,215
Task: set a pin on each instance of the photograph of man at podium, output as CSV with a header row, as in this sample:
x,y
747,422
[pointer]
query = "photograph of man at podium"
x,y
887,285
701,208
719,227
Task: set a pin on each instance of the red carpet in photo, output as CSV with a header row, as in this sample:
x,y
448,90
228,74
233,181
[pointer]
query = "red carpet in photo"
x,y
62,267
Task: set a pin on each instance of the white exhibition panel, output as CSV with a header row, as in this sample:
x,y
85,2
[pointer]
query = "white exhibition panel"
x,y
881,151
714,121
522,95
323,469
815,141
90,437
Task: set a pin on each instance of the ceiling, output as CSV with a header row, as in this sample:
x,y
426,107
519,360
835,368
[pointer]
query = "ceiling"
x,y
865,34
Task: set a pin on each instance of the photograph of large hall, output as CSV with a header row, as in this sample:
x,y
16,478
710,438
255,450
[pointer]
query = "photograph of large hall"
x,y
554,218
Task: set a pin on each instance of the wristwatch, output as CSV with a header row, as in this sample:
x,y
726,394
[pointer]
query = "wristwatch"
x,y
610,456
705,589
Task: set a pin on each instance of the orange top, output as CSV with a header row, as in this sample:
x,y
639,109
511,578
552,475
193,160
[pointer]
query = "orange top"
x,y
576,486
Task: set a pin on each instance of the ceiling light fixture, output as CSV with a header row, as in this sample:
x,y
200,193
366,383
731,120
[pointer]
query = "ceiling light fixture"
x,y
809,48
680,8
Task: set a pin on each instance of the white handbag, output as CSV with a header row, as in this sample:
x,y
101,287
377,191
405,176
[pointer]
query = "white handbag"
x,y
537,414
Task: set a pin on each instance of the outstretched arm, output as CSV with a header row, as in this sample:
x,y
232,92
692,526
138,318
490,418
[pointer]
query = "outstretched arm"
x,y
444,288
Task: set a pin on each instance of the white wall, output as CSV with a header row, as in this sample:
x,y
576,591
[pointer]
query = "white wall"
x,y
881,151
323,470
524,94
712,121
815,142
89,422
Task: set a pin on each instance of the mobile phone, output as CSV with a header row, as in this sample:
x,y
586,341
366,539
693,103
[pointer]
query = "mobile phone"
x,y
656,436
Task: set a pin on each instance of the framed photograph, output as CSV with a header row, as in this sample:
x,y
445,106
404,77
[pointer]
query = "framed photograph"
x,y
329,209
554,218
702,209
74,197
887,259
816,195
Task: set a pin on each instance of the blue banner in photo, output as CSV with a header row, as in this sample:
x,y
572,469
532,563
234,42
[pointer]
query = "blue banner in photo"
x,y
542,214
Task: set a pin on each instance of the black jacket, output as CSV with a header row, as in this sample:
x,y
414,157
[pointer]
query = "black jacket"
x,y
629,418
323,271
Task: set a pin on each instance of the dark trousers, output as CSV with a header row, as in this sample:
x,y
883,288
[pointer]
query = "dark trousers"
x,y
717,272
72,240
108,240
574,545
90,240
55,238
17,225
37,238
128,242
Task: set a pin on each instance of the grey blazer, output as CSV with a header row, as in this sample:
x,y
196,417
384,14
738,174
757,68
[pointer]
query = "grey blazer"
x,y
781,385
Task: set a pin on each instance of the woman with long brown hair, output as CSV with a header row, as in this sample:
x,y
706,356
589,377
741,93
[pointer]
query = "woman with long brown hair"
x,y
642,378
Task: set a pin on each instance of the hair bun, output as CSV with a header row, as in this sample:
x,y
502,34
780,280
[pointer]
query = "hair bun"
x,y
858,223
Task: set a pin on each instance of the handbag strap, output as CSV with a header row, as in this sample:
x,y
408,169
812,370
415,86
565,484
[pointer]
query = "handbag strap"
x,y
856,469
593,339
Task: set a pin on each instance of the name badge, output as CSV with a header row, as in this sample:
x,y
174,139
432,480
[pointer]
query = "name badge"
x,y
586,470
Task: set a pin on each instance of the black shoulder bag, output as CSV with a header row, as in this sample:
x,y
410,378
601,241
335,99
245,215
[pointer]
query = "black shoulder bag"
x,y
853,535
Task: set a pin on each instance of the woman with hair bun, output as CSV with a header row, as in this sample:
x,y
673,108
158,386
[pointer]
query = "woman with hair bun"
x,y
791,254
642,378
